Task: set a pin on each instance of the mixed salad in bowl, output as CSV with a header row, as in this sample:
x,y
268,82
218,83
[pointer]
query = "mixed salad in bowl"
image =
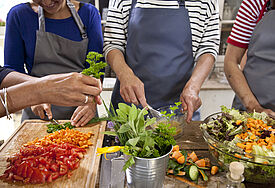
x,y
246,137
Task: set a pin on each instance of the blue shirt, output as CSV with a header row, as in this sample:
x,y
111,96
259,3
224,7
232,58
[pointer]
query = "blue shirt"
x,y
22,24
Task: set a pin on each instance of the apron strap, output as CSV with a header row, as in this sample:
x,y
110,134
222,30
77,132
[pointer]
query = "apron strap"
x,y
134,2
41,19
181,3
77,19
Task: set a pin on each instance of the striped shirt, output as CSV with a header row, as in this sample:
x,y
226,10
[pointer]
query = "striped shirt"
x,y
246,20
204,21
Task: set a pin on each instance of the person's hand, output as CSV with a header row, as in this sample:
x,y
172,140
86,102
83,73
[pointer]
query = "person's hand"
x,y
132,90
40,110
259,108
190,101
83,114
68,89
270,113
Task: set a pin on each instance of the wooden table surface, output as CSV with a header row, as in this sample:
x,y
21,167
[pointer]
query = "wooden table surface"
x,y
192,140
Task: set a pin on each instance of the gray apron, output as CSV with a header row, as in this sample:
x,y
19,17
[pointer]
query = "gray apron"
x,y
55,54
259,70
159,51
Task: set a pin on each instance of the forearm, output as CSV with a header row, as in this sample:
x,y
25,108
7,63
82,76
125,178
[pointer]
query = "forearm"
x,y
21,96
201,71
236,77
14,78
115,59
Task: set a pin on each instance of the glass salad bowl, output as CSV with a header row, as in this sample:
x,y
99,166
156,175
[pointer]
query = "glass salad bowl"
x,y
258,168
177,119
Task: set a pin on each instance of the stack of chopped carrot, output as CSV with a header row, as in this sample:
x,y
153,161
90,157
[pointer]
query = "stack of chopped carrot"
x,y
70,136
254,128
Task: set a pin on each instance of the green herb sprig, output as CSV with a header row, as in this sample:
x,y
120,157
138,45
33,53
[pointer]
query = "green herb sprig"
x,y
169,116
94,59
55,127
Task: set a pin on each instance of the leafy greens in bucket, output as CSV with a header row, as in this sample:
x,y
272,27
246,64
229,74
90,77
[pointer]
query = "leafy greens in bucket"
x,y
131,128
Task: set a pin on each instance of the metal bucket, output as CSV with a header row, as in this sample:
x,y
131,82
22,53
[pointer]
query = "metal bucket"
x,y
147,173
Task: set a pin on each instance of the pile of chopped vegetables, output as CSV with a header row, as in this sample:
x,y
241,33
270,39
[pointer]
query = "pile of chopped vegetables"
x,y
189,165
69,136
44,160
36,164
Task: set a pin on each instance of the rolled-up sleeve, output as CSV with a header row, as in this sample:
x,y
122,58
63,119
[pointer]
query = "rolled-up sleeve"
x,y
115,33
211,36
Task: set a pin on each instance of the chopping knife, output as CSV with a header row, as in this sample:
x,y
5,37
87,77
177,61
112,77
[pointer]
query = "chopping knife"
x,y
57,123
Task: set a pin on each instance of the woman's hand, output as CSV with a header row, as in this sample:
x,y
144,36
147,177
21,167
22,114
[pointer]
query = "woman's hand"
x,y
83,114
190,102
40,110
68,89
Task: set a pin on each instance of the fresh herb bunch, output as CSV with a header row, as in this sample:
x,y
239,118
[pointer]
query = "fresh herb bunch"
x,y
163,136
56,127
131,128
96,64
168,115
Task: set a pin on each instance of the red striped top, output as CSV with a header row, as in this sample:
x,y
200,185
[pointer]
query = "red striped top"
x,y
250,12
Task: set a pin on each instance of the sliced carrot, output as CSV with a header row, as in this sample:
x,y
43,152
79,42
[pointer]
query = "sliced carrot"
x,y
193,157
177,154
181,160
200,163
253,137
240,145
214,170
176,148
248,146
181,173
238,156
170,171
238,122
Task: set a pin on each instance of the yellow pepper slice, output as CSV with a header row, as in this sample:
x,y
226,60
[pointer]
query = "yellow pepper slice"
x,y
111,149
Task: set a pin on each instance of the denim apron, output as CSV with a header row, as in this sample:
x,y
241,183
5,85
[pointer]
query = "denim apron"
x,y
159,51
55,54
259,70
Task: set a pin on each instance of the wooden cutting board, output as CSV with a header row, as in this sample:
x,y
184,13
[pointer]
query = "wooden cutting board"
x,y
84,176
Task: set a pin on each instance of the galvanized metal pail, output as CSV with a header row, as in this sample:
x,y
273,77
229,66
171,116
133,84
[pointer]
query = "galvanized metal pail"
x,y
147,173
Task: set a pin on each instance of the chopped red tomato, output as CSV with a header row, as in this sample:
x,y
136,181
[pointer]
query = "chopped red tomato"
x,y
37,164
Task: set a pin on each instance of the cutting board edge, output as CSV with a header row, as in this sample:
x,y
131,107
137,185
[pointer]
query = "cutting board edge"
x,y
91,180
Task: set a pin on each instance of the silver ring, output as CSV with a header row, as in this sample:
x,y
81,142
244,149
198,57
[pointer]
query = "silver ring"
x,y
86,99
